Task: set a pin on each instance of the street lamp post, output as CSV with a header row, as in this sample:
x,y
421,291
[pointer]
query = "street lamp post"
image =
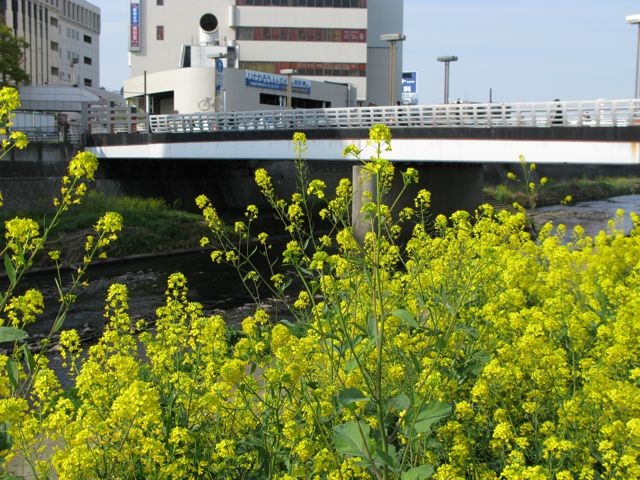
x,y
288,72
446,60
635,20
393,39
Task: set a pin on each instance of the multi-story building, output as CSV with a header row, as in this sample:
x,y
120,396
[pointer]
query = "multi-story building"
x,y
321,40
63,37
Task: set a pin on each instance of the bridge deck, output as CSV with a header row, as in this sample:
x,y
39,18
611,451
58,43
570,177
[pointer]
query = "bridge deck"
x,y
599,131
582,145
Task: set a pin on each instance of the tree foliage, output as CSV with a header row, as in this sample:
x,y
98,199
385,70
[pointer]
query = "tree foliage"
x,y
11,53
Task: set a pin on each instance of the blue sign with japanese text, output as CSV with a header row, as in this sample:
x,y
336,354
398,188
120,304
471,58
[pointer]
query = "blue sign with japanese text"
x,y
276,82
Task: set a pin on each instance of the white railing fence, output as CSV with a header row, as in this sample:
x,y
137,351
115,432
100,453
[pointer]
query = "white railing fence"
x,y
102,118
619,113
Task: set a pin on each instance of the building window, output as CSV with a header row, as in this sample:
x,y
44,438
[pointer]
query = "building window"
x,y
54,46
287,34
310,69
159,2
87,39
88,82
54,21
87,60
270,99
54,71
160,32
305,3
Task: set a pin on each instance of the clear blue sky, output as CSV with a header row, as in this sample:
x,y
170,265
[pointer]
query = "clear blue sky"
x,y
524,51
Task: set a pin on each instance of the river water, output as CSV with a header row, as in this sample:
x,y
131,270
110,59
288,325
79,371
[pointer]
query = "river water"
x,y
220,289
217,287
593,216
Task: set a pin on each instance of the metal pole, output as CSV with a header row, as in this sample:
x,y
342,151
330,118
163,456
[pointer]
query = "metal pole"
x,y
393,39
446,82
146,104
446,59
392,67
146,97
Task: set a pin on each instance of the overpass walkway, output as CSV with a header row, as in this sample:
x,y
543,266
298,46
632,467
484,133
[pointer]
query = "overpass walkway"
x,y
581,132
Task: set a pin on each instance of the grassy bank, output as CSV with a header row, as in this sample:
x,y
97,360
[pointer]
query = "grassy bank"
x,y
153,226
555,191
150,226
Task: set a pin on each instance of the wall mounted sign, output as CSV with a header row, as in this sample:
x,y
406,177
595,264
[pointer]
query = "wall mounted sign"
x,y
276,82
135,42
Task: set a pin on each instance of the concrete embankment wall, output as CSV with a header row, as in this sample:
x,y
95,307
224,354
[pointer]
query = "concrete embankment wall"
x,y
30,178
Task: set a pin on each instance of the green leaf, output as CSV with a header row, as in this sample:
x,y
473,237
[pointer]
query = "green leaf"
x,y
400,402
430,414
352,439
28,358
406,317
372,327
350,365
57,325
12,334
306,272
297,329
13,372
349,396
10,268
58,287
423,472
388,458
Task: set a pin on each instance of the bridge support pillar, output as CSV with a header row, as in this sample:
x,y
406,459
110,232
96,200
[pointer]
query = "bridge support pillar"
x,y
453,187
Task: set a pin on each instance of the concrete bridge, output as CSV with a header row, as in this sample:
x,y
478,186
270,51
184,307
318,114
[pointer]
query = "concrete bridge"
x,y
448,144
598,131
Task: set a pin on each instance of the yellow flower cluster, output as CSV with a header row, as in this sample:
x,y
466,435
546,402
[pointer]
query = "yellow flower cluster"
x,y
10,101
470,351
22,238
81,169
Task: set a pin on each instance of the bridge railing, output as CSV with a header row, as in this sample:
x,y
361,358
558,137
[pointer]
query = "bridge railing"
x,y
102,118
473,115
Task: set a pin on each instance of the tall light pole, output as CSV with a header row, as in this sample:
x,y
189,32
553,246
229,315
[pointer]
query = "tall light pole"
x,y
635,20
288,72
393,39
446,60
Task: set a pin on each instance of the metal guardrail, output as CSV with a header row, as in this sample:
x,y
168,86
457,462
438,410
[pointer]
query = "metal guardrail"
x,y
619,113
101,118
38,136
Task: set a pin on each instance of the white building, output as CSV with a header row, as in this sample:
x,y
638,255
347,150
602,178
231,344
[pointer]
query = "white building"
x,y
64,39
189,90
321,40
